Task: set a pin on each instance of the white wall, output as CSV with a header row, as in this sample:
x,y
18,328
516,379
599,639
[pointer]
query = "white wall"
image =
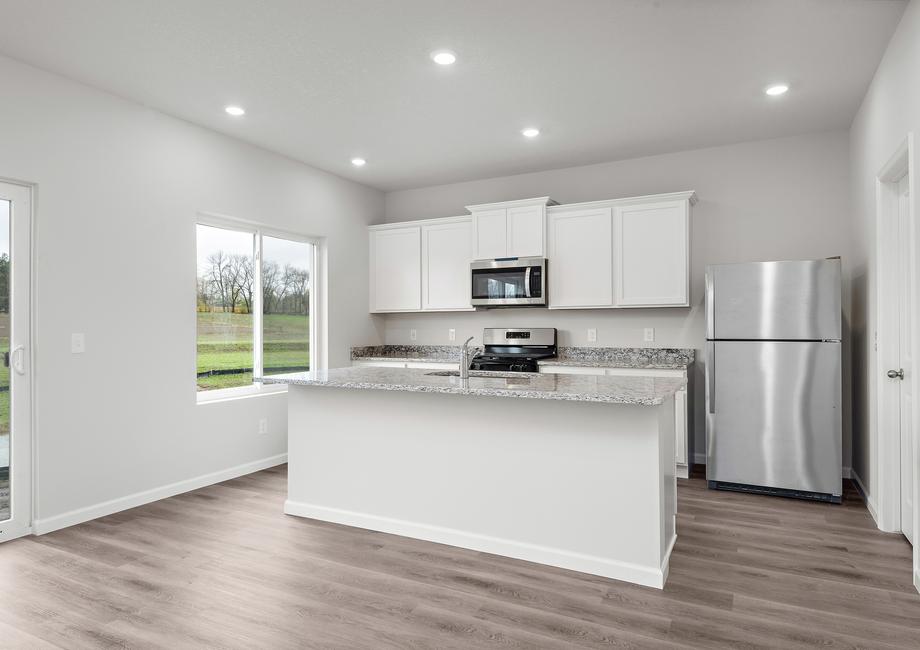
x,y
766,200
118,189
890,109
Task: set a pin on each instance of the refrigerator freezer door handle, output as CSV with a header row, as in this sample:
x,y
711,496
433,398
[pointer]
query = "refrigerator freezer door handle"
x,y
711,377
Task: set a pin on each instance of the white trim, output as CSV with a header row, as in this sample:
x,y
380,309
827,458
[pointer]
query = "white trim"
x,y
649,577
689,195
888,506
435,221
517,203
238,392
23,438
699,458
666,561
81,515
867,498
917,579
846,472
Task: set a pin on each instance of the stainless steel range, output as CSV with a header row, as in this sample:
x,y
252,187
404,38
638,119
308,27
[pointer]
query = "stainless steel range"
x,y
515,349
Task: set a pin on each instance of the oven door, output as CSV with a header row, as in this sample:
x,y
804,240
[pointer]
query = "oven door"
x,y
508,282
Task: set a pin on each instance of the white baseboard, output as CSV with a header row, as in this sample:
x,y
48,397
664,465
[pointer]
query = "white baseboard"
x,y
43,526
666,562
917,579
699,458
870,502
846,472
635,573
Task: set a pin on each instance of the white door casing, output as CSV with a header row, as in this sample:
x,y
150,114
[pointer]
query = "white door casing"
x,y
905,288
21,360
886,502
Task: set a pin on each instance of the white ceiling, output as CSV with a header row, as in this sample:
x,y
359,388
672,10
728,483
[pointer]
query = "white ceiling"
x,y
324,81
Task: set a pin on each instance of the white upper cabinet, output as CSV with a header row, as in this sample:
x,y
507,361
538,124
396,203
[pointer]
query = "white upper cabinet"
x,y
510,229
447,250
625,253
526,231
491,229
395,269
580,266
620,253
652,254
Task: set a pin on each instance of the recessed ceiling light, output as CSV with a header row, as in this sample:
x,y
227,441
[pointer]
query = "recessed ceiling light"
x,y
776,89
235,111
530,132
358,162
443,57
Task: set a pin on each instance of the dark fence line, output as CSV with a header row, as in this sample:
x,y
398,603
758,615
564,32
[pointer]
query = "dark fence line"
x,y
239,371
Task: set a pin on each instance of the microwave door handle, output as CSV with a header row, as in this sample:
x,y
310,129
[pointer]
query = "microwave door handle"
x,y
527,281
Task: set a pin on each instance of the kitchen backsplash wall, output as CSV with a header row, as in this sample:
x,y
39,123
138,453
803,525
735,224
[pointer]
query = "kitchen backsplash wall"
x,y
674,328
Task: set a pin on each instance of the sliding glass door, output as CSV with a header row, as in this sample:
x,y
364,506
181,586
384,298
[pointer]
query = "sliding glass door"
x,y
15,370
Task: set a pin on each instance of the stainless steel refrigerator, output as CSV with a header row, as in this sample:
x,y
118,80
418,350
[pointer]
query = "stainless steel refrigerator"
x,y
773,378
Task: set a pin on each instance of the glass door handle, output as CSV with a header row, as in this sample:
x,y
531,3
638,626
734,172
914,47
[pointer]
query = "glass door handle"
x,y
17,356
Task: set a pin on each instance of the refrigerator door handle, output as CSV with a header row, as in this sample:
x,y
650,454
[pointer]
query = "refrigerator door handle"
x,y
710,304
711,377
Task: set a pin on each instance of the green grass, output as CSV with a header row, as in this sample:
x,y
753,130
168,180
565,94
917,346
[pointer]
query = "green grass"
x,y
225,343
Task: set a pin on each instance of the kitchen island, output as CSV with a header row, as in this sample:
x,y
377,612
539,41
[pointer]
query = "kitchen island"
x,y
572,471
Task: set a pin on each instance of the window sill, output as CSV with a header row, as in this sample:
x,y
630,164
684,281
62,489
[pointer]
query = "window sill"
x,y
240,392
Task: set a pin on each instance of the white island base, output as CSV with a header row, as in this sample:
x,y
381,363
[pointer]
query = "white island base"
x,y
579,485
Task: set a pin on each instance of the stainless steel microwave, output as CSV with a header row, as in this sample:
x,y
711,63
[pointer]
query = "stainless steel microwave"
x,y
508,282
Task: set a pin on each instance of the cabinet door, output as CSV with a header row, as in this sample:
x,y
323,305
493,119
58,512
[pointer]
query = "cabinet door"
x,y
652,254
491,234
526,231
580,259
446,256
395,269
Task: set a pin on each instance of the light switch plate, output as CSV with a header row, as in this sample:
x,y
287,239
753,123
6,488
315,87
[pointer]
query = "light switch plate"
x,y
413,335
452,334
649,334
77,343
592,335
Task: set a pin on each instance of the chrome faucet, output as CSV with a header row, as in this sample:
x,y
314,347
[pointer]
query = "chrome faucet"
x,y
465,359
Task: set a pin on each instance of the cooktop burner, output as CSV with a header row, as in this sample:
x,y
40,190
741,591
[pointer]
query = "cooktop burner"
x,y
505,364
515,350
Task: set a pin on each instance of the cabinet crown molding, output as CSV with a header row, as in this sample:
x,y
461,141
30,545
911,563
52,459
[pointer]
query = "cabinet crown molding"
x,y
519,203
689,195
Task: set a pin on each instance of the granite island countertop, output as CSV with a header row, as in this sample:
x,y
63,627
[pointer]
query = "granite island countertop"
x,y
590,357
647,391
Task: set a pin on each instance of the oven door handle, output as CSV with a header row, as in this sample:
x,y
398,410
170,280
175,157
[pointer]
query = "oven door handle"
x,y
527,281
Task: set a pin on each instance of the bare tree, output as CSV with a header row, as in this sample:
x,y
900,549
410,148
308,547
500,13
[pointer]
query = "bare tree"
x,y
271,285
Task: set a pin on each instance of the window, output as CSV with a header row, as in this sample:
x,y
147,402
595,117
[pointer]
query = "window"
x,y
253,305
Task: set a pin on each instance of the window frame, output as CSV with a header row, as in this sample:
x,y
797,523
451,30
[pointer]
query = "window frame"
x,y
258,231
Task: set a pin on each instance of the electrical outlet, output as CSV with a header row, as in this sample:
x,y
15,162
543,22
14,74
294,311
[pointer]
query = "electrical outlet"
x,y
592,335
452,334
263,426
649,334
77,343
413,335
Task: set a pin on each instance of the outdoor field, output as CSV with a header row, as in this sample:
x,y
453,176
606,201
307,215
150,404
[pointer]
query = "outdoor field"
x,y
225,343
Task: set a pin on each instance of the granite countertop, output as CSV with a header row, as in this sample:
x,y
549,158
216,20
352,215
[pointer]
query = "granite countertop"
x,y
648,391
593,357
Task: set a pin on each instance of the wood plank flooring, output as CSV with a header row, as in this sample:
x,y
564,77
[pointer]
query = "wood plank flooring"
x,y
222,567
